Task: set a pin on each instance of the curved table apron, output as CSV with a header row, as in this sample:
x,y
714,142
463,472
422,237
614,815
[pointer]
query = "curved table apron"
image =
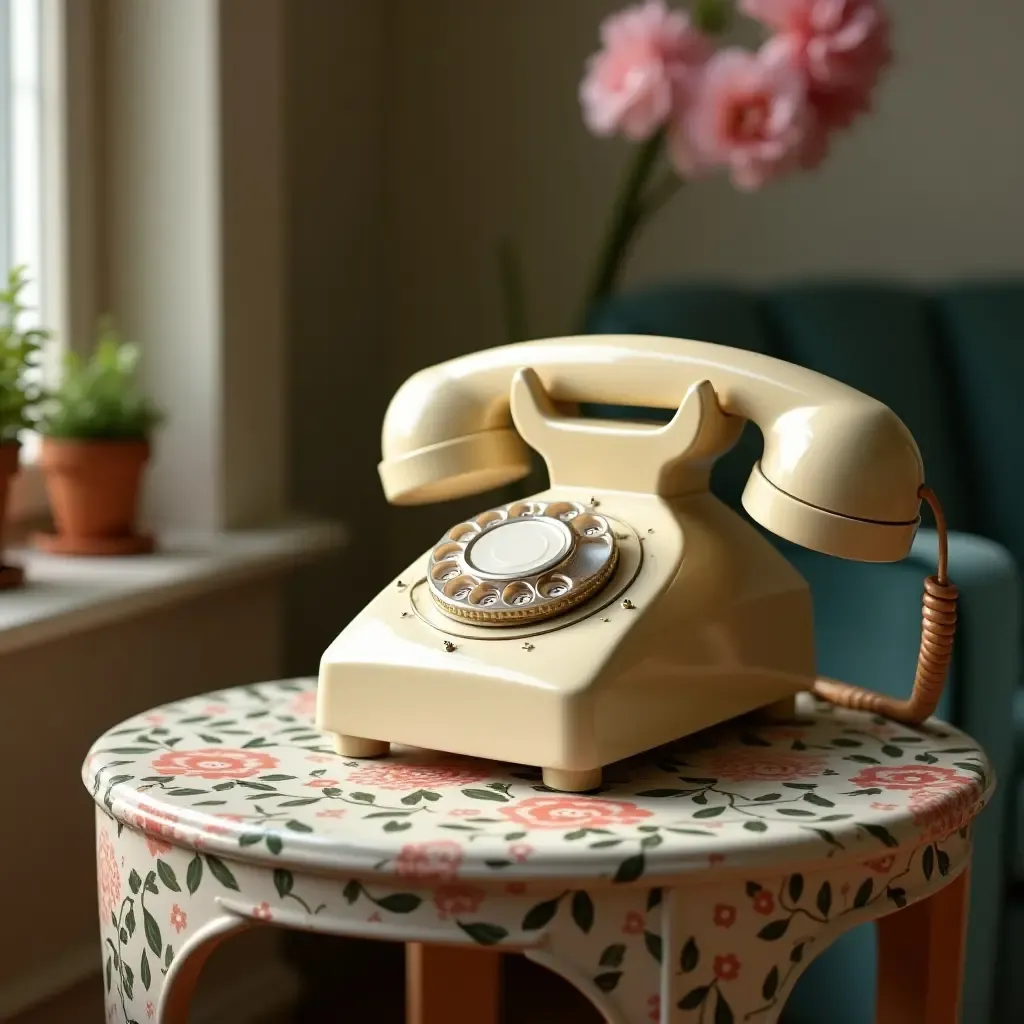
x,y
696,885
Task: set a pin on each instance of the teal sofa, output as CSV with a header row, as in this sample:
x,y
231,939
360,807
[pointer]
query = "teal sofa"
x,y
950,363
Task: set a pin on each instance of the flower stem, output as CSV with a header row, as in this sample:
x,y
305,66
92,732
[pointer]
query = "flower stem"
x,y
627,215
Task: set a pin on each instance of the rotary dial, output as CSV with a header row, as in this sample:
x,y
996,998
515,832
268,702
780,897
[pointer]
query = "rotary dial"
x,y
527,560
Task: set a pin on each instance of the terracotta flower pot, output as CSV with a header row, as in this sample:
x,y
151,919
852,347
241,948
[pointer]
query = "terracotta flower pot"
x,y
10,575
93,488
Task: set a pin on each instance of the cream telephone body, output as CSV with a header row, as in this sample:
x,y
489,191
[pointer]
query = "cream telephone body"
x,y
625,606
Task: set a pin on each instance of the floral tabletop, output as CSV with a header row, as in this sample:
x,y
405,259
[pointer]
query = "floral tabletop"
x,y
244,774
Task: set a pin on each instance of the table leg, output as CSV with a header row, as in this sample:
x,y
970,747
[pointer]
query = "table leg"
x,y
920,958
451,985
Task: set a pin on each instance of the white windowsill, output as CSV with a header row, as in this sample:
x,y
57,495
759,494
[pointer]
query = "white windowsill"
x,y
69,595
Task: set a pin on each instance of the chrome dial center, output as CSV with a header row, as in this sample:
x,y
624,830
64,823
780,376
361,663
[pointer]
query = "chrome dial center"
x,y
526,560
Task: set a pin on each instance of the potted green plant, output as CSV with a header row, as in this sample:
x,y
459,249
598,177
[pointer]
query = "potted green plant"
x,y
96,442
20,394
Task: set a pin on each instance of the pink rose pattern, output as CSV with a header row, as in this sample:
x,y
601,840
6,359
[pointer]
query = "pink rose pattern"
x,y
278,782
837,773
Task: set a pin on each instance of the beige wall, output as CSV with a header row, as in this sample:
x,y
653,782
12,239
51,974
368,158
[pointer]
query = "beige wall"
x,y
485,137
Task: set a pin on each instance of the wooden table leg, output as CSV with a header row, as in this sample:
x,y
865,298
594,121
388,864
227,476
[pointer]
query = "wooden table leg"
x,y
921,959
451,985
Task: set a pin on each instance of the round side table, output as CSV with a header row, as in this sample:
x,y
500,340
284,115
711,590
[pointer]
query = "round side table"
x,y
695,886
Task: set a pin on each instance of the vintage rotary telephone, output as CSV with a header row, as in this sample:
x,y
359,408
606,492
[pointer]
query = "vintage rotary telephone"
x,y
625,606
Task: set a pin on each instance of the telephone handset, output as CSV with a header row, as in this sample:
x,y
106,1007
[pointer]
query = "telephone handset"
x,y
624,606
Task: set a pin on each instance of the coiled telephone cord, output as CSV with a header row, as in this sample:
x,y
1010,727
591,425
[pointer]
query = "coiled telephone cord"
x,y
938,624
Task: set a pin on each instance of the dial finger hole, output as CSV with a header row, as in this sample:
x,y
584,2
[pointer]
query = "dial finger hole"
x,y
564,510
495,515
555,585
484,596
526,508
444,551
459,588
590,526
463,532
445,571
517,594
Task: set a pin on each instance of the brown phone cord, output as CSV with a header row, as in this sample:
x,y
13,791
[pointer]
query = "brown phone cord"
x,y
938,624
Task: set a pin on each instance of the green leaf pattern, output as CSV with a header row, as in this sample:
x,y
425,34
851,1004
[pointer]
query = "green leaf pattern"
x,y
268,823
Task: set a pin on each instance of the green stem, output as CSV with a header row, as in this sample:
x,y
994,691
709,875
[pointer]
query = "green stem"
x,y
627,215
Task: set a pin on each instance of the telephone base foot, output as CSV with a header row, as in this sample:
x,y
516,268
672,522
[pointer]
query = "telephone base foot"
x,y
781,711
572,782
356,746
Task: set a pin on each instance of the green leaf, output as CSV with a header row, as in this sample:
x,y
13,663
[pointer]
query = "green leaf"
x,y
283,882
400,902
297,826
880,833
752,889
795,812
800,785
498,864
890,751
694,998
129,922
397,826
943,859
709,812
250,838
485,794
412,798
824,900
649,842
284,778
927,758
662,794
604,844
928,862
796,888
755,826
863,893
129,982
539,915
164,870
653,899
844,741
363,798
144,974
767,798
351,891
150,884
690,956
109,971
612,956
630,869
696,781
818,801
723,1011
898,896
653,944
796,954
484,934
827,836
168,955
774,930
152,930
274,843
221,872
608,981
771,984
134,881
512,836
862,759
194,874
583,911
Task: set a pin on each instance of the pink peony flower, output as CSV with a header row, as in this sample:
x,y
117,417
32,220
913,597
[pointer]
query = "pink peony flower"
x,y
453,900
178,919
841,46
748,115
213,763
645,71
438,860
